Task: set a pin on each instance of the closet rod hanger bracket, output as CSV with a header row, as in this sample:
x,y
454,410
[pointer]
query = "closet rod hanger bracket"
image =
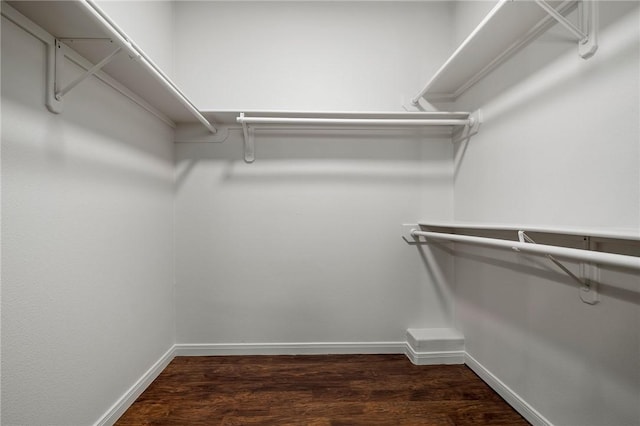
x,y
586,34
475,120
249,140
588,271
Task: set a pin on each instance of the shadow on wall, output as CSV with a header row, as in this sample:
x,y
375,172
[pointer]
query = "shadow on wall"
x,y
543,269
76,151
386,157
433,258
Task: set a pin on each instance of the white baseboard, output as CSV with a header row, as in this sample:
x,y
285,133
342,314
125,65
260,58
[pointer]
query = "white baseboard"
x,y
512,398
434,358
129,397
417,358
311,348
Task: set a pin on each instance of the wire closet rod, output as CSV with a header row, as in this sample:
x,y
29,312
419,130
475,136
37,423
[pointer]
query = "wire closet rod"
x,y
611,259
133,50
356,121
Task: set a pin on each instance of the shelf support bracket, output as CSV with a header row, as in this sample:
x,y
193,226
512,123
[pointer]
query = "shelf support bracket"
x,y
249,141
588,281
55,62
61,91
586,35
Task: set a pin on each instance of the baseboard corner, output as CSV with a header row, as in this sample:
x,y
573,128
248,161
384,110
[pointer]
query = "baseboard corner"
x,y
512,398
129,397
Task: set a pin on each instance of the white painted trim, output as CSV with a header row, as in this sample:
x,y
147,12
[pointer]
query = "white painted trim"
x,y
512,398
434,357
304,348
129,397
317,348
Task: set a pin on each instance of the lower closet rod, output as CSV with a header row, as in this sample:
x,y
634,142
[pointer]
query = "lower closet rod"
x,y
611,259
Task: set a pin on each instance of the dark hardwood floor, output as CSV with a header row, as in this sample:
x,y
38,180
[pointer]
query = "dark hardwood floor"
x,y
317,390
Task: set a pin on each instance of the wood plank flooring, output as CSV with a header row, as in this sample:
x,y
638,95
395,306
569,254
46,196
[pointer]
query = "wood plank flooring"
x,y
317,390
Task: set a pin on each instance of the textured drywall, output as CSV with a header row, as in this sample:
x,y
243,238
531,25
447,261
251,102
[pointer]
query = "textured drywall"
x,y
87,243
560,147
316,56
305,244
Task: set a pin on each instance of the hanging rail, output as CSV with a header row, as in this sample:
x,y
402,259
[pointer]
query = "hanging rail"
x,y
610,259
470,121
135,52
383,122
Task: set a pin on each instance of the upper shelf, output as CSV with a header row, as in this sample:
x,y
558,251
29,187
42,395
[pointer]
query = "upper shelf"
x,y
509,26
79,23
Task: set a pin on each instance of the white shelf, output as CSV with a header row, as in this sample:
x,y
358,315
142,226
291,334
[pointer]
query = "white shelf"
x,y
441,124
623,234
227,120
509,26
75,20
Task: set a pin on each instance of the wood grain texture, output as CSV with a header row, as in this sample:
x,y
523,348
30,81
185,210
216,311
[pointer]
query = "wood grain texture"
x,y
317,390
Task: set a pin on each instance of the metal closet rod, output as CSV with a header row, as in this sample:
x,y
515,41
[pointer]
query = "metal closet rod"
x,y
356,121
610,259
134,51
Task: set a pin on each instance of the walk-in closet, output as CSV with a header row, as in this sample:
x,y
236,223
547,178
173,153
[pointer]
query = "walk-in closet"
x,y
320,212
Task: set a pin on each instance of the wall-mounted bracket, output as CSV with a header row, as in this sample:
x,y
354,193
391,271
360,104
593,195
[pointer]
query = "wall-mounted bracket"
x,y
475,120
590,275
588,278
407,233
249,141
55,89
55,62
586,35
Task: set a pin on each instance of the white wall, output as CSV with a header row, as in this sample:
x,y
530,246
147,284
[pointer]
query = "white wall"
x,y
87,259
308,55
560,147
150,26
304,245
468,14
559,131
